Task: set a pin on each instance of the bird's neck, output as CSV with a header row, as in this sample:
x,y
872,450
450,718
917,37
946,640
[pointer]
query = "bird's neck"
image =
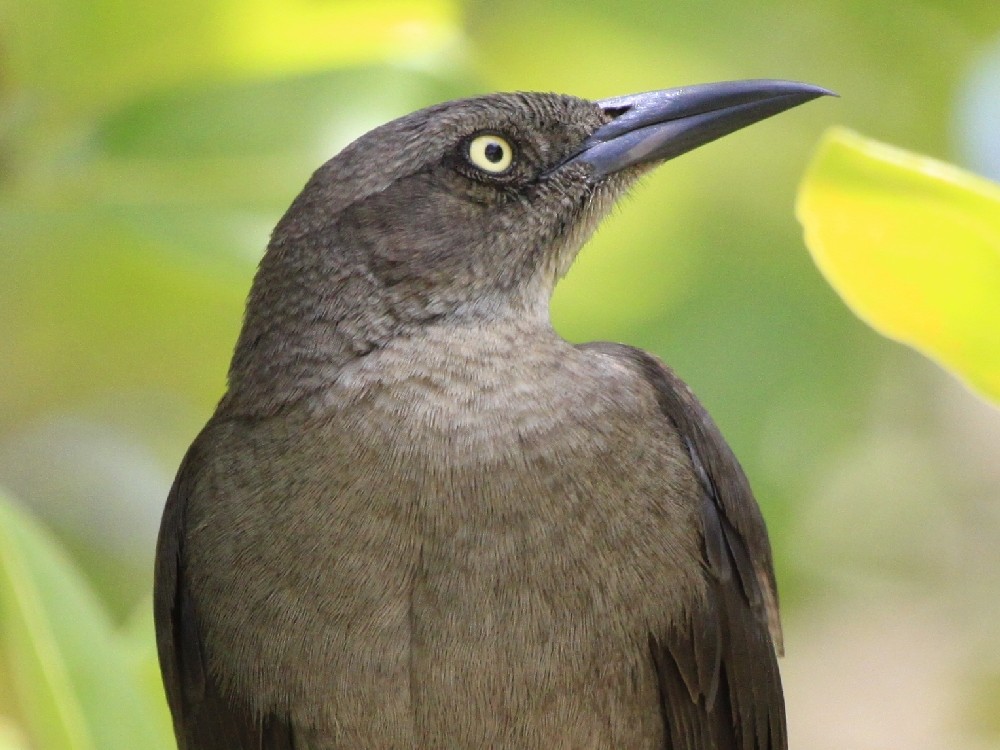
x,y
296,344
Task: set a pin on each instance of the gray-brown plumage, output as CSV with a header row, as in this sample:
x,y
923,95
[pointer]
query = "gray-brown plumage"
x,y
421,519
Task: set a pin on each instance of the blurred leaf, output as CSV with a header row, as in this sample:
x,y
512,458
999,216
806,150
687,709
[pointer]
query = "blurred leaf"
x,y
127,264
207,146
912,245
140,643
11,736
111,49
303,34
90,306
75,685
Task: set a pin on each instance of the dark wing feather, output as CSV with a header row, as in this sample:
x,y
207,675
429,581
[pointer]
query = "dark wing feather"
x,y
717,667
204,718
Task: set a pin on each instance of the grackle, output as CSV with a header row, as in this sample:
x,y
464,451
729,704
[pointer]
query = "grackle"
x,y
418,517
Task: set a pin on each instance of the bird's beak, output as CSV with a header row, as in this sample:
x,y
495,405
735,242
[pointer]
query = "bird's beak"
x,y
660,125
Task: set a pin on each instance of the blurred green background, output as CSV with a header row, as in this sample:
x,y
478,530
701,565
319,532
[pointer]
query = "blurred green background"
x,y
147,148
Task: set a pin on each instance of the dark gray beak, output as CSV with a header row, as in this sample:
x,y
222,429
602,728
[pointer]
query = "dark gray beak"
x,y
660,125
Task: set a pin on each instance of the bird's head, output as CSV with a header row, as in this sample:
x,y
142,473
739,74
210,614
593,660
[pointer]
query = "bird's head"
x,y
468,210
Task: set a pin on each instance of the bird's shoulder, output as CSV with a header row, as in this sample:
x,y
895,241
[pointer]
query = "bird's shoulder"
x,y
205,716
716,667
720,474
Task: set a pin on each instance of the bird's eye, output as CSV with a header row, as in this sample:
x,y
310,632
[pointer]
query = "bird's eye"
x,y
490,153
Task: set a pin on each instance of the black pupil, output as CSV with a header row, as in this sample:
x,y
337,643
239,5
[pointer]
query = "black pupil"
x,y
494,152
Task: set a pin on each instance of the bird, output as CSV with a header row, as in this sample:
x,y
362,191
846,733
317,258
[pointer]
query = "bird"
x,y
418,517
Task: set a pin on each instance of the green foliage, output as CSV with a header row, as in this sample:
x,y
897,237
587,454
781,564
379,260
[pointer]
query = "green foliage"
x,y
912,245
147,148
77,681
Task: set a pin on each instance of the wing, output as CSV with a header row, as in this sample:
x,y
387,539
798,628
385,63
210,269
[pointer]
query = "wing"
x,y
717,667
204,718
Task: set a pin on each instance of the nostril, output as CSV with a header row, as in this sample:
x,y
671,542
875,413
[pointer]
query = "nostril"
x,y
616,112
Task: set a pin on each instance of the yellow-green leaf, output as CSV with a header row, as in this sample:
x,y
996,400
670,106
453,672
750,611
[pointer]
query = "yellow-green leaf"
x,y
139,637
73,677
912,245
11,736
111,49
